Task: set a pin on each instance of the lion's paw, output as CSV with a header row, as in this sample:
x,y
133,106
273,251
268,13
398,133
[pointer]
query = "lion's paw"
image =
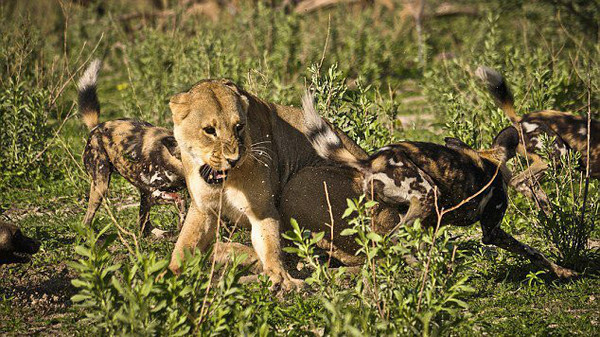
x,y
282,281
565,273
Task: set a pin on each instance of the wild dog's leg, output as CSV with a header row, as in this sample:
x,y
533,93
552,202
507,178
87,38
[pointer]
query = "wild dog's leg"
x,y
146,203
147,200
420,208
527,182
493,234
97,192
224,251
198,230
99,168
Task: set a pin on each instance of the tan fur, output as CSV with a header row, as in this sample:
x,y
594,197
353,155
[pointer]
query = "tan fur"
x,y
509,110
278,175
90,118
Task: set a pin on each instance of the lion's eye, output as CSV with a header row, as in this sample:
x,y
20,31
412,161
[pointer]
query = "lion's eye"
x,y
210,130
239,127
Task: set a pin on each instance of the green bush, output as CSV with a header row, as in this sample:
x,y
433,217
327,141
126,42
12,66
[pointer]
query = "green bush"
x,y
538,79
575,210
25,134
25,108
138,296
390,296
354,111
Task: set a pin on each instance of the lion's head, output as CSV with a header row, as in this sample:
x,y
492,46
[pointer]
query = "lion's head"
x,y
210,125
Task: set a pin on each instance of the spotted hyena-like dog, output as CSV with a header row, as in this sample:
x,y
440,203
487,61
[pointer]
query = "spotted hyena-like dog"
x,y
146,155
569,132
419,174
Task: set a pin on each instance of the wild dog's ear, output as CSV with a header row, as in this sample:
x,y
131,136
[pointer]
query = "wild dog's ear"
x,y
507,141
179,105
456,144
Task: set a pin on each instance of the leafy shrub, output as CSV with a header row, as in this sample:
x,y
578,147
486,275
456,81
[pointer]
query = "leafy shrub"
x,y
539,80
353,111
139,297
24,135
575,211
24,108
391,296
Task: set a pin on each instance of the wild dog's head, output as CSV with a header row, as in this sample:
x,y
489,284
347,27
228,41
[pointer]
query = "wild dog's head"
x,y
15,247
502,150
506,143
210,125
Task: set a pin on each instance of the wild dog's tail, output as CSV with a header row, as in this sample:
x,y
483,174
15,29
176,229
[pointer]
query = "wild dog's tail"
x,y
324,140
89,106
498,88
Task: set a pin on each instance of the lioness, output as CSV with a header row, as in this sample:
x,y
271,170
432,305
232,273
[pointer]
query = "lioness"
x,y
246,159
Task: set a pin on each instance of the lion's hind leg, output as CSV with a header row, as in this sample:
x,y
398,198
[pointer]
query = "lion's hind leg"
x,y
224,252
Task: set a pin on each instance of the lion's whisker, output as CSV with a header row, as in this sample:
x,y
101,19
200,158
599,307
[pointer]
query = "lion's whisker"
x,y
262,153
257,159
262,149
263,142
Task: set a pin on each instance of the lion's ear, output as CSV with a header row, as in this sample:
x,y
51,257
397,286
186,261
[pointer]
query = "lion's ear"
x,y
179,106
244,101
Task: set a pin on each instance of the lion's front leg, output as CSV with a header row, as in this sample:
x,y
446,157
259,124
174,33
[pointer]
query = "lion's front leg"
x,y
198,230
266,242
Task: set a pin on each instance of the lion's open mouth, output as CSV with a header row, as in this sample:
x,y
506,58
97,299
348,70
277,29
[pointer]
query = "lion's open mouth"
x,y
212,176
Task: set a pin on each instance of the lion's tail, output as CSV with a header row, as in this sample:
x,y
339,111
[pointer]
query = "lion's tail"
x,y
498,88
89,106
324,140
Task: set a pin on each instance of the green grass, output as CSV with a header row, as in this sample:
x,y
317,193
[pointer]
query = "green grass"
x,y
551,63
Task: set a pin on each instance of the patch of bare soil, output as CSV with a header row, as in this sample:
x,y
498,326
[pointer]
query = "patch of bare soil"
x,y
35,302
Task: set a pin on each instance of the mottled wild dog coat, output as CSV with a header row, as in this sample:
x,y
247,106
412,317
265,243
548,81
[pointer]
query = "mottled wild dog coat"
x,y
15,247
146,155
414,174
569,132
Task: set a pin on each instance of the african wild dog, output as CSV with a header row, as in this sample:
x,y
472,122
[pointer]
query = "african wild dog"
x,y
15,247
414,174
146,155
569,132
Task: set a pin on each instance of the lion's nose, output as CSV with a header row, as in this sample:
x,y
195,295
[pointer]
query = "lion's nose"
x,y
233,162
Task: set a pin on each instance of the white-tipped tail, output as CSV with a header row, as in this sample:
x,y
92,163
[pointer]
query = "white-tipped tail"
x,y
321,136
89,106
489,75
90,76
498,88
323,139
